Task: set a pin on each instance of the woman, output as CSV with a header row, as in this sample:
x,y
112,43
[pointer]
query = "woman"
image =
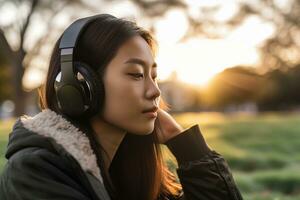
x,y
111,150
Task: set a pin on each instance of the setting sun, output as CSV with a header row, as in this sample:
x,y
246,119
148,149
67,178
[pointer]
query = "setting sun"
x,y
196,61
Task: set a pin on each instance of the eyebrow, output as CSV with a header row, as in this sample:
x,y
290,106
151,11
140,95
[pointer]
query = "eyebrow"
x,y
140,62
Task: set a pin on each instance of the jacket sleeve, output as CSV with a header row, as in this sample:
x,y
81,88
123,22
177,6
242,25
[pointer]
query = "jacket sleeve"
x,y
39,174
203,173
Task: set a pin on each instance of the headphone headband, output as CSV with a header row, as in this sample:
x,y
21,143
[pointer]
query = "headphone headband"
x,y
72,33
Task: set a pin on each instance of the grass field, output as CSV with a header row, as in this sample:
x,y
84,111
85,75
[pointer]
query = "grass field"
x,y
262,151
5,128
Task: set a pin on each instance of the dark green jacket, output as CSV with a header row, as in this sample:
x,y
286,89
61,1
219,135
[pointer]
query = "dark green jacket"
x,y
49,158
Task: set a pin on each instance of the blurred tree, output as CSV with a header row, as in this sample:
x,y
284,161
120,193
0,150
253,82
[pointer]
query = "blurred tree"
x,y
156,8
5,86
235,86
17,56
274,90
282,50
270,96
280,89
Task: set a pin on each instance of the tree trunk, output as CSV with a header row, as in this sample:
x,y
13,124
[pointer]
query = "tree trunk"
x,y
19,94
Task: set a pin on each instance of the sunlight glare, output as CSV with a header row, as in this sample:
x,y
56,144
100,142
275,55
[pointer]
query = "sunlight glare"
x,y
196,61
171,27
33,78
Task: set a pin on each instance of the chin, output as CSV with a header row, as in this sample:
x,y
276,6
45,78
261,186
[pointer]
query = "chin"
x,y
146,130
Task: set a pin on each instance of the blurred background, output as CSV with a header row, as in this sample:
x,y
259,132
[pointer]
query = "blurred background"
x,y
232,66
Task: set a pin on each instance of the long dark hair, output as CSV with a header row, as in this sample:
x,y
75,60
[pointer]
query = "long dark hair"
x,y
139,171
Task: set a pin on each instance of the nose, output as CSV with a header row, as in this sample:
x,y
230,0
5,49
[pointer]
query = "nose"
x,y
153,91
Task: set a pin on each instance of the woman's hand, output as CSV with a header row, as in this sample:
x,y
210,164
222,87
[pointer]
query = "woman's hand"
x,y
166,127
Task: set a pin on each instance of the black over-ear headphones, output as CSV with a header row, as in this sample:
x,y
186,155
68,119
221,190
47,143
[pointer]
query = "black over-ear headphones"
x,y
79,91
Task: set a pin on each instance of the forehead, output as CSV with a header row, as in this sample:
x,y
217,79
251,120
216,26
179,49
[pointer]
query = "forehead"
x,y
136,47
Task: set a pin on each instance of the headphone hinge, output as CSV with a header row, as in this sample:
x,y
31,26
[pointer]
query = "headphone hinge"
x,y
66,55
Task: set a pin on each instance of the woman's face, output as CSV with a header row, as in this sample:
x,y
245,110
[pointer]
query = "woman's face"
x,y
131,87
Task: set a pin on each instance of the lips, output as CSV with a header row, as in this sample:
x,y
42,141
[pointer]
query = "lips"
x,y
151,109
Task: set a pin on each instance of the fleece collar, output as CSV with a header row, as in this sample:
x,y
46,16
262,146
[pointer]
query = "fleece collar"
x,y
50,124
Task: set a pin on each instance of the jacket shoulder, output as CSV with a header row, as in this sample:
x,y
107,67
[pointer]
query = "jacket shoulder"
x,y
36,160
35,172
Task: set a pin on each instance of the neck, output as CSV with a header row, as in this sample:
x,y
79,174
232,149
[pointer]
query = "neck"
x,y
109,136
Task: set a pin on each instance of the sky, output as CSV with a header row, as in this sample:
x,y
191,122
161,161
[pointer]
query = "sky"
x,y
195,60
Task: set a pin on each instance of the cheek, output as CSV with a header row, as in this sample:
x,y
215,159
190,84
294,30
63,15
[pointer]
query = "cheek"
x,y
121,97
123,108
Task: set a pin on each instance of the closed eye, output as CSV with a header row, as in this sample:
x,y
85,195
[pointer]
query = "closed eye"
x,y
140,75
137,75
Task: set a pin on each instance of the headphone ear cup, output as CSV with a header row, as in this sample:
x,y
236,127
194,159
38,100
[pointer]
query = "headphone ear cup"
x,y
69,100
69,97
92,88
